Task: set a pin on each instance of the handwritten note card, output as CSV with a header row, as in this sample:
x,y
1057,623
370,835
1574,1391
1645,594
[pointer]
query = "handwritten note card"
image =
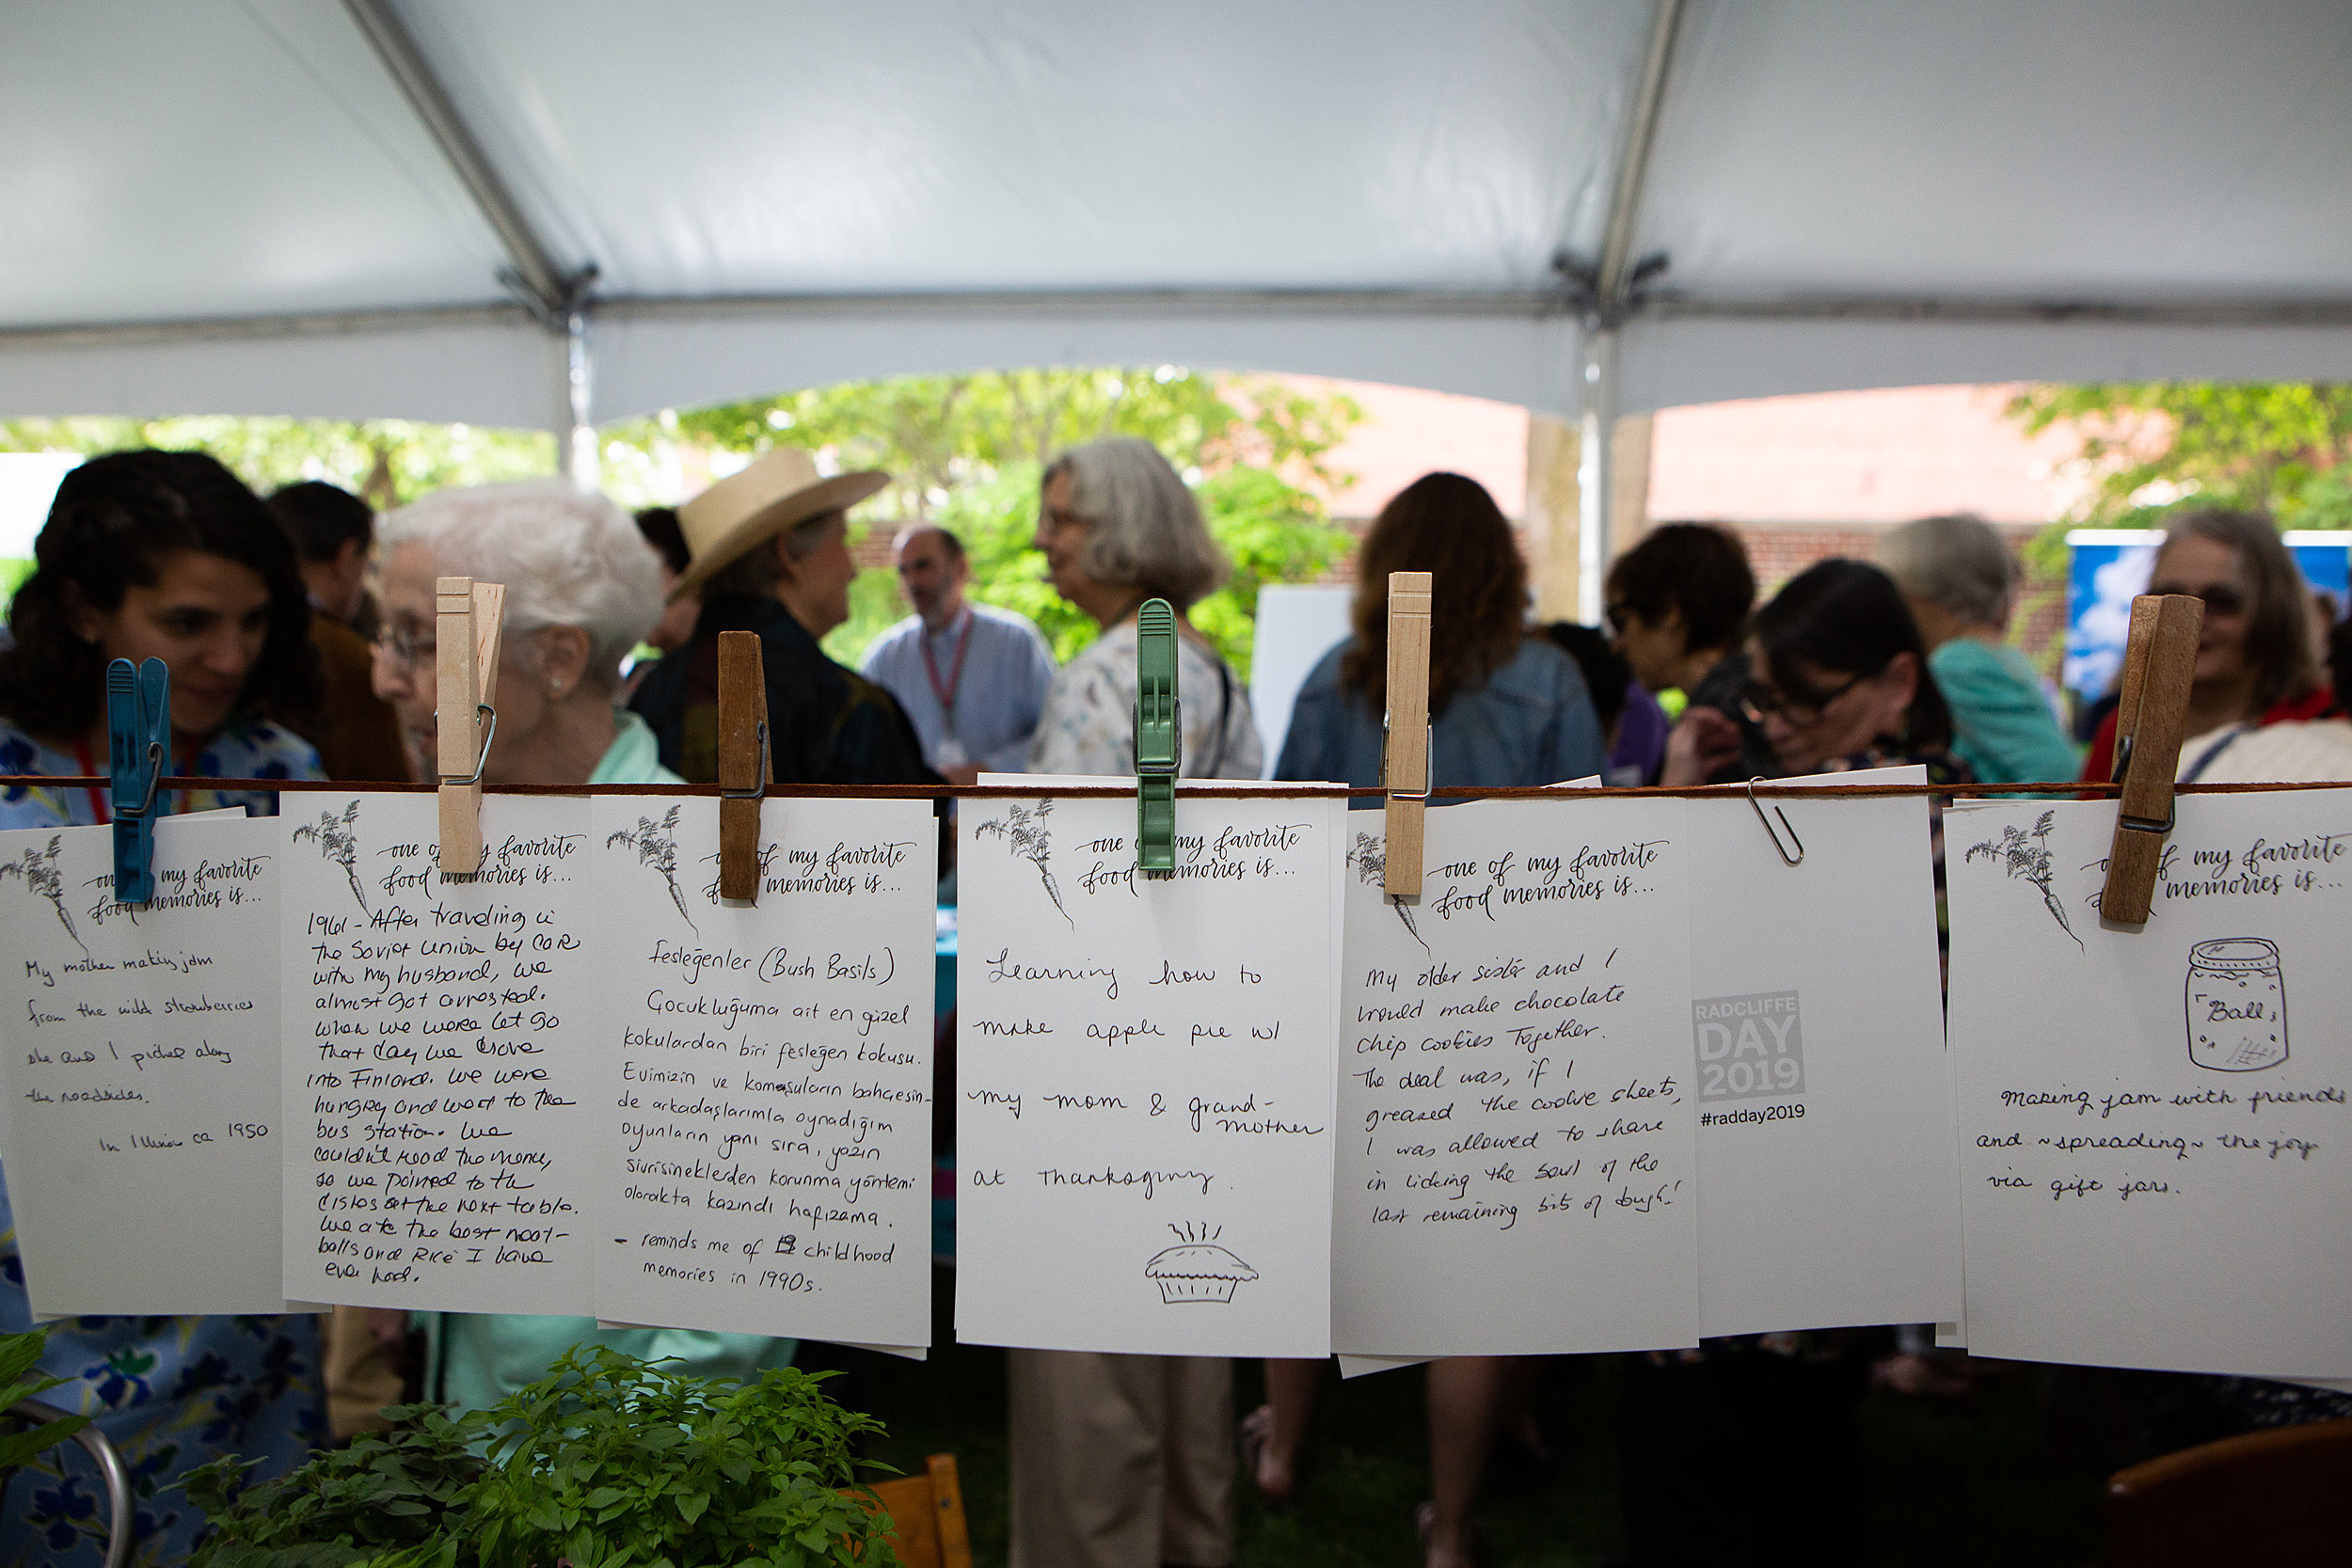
x,y
1146,1066
142,1048
767,1070
2158,1156
438,1065
1517,1170
1829,1192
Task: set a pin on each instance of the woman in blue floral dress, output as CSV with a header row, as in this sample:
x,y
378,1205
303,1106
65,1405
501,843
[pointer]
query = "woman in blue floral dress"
x,y
163,555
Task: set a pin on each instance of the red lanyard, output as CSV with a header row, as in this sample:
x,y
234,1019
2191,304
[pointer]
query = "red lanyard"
x,y
99,801
947,692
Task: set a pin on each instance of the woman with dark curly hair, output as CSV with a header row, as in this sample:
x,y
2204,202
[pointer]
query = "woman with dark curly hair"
x,y
157,554
1505,709
163,555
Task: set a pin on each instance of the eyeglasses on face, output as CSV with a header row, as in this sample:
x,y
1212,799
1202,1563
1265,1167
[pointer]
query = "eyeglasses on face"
x,y
405,647
1759,702
2221,598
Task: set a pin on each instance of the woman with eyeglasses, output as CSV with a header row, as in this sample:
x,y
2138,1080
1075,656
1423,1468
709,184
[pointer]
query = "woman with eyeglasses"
x,y
583,589
1839,680
2256,663
163,555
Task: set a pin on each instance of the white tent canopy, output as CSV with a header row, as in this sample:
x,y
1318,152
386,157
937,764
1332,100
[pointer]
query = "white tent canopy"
x,y
533,212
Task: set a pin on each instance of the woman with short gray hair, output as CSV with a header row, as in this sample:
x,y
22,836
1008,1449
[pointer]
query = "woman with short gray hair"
x,y
1960,582
1117,526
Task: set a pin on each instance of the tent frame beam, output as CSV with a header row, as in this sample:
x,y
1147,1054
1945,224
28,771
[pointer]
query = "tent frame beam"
x,y
539,278
556,297
1523,305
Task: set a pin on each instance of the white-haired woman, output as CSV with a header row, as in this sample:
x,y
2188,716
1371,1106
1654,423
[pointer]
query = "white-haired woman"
x,y
583,589
1960,582
1128,1461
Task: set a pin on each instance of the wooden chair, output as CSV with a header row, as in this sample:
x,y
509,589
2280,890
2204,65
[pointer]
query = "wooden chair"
x,y
2284,1495
928,1510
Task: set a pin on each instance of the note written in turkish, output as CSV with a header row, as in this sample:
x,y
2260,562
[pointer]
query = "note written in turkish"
x,y
1517,1174
2157,1152
438,1066
142,1045
1145,1133
767,1070
1828,1191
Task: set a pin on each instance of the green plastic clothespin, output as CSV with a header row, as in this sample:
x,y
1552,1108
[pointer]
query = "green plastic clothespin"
x,y
1159,739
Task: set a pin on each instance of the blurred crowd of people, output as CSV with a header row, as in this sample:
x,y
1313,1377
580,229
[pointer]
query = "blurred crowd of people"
x,y
300,635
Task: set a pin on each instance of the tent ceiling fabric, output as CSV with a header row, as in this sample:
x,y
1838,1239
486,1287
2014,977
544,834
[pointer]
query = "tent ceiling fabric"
x,y
230,206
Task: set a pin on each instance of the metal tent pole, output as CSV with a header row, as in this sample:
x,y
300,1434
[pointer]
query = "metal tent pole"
x,y
1596,468
1612,298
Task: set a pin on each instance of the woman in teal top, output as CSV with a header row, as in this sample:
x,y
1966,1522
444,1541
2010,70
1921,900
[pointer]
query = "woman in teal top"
x,y
583,589
1962,583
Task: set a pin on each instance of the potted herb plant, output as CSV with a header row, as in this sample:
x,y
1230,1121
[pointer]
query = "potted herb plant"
x,y
607,1461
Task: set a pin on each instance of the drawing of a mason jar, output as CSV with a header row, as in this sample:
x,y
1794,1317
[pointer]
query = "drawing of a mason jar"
x,y
2237,1004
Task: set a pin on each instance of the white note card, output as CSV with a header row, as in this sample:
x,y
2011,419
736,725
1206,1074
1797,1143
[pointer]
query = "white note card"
x,y
438,1062
1518,1172
765,1102
2156,1154
1828,1189
142,1069
1145,1070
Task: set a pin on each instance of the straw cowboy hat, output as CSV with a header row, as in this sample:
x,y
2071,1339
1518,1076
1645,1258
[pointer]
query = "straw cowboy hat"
x,y
745,510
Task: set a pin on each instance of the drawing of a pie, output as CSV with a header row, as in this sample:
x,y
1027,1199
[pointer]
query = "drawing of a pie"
x,y
1197,1271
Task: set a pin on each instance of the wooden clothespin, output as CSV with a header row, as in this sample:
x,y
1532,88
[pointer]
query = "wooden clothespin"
x,y
465,664
2159,662
138,738
1406,733
744,763
1159,736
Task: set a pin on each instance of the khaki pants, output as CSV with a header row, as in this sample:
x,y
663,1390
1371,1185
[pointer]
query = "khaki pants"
x,y
362,1376
1122,1461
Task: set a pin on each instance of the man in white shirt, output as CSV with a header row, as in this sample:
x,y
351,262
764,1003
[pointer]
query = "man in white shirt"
x,y
972,677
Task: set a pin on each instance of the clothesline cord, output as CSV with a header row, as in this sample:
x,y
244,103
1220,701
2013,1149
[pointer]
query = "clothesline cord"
x,y
1204,790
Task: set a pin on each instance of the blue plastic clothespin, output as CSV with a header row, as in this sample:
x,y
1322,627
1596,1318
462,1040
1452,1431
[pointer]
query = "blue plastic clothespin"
x,y
1159,736
138,738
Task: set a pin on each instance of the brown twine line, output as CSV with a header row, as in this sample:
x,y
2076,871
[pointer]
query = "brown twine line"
x,y
1187,789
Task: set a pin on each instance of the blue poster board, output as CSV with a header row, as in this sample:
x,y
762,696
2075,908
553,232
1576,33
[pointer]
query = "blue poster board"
x,y
2110,565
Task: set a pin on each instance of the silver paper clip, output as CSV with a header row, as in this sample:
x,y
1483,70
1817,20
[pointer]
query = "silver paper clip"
x,y
1758,807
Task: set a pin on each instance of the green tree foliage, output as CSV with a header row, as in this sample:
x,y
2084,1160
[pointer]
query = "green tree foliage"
x,y
2283,448
967,451
964,450
387,461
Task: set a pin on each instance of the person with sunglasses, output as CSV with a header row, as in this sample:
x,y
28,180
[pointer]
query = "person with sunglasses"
x,y
2256,665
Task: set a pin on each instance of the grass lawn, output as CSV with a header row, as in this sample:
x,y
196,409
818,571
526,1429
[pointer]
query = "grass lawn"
x,y
1949,1485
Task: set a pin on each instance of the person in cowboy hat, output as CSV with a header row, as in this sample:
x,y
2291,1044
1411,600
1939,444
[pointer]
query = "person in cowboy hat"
x,y
769,552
